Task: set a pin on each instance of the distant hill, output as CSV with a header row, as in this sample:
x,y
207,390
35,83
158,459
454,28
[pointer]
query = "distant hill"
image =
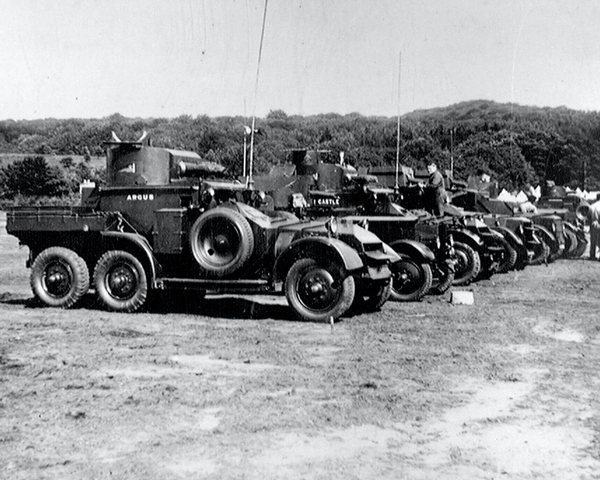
x,y
516,144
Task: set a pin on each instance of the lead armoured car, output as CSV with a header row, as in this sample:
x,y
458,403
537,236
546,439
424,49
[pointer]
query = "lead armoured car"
x,y
153,227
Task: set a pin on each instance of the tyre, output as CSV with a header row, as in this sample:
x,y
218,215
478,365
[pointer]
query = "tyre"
x,y
582,244
371,298
570,244
316,293
541,253
443,283
411,280
509,257
120,281
221,241
551,242
59,277
468,265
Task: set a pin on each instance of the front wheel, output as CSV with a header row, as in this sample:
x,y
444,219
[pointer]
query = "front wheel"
x,y
120,281
443,283
509,257
59,277
581,247
468,265
316,293
541,252
410,280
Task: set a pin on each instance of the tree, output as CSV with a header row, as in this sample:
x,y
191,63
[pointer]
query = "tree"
x,y
32,176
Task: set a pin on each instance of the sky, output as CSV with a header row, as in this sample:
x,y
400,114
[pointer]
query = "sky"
x,y
159,58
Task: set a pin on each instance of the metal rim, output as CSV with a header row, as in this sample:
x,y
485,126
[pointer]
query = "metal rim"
x,y
462,262
317,290
122,281
58,278
219,243
407,276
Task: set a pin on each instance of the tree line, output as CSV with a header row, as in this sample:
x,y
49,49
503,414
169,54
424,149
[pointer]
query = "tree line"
x,y
516,145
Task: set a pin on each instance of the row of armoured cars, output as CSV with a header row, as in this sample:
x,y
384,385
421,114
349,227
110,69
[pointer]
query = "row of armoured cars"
x,y
157,226
331,239
478,235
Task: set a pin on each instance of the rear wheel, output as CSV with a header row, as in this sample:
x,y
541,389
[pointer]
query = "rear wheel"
x,y
120,281
59,277
317,293
411,280
468,265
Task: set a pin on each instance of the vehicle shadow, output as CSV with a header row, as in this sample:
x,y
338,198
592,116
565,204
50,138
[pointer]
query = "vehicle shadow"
x,y
221,306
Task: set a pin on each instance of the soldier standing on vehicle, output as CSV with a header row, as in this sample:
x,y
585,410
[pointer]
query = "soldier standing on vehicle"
x,y
436,181
594,218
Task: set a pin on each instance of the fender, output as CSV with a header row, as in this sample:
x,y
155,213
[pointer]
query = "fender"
x,y
576,230
318,248
140,245
547,236
467,237
414,249
509,235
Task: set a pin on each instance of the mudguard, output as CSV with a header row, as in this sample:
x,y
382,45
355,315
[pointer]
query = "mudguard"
x,y
510,236
467,237
547,236
140,245
318,248
414,249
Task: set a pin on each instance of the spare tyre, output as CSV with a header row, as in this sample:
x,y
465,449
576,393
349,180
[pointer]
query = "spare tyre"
x,y
221,241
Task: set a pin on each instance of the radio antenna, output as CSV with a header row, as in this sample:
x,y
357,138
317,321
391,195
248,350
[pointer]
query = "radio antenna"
x,y
262,36
398,129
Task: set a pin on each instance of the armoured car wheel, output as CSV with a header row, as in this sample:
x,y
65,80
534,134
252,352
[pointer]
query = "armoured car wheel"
x,y
580,249
120,281
570,244
442,284
316,293
541,253
509,257
371,298
468,265
221,241
522,259
410,280
59,277
551,242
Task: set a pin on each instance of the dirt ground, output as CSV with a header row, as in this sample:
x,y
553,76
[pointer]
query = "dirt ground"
x,y
233,388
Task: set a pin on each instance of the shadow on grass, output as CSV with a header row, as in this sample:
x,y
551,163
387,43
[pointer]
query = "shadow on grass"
x,y
223,306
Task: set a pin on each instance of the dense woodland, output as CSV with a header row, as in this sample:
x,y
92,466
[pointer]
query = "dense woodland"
x,y
516,145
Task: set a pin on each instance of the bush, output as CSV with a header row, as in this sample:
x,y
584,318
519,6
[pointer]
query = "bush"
x,y
32,176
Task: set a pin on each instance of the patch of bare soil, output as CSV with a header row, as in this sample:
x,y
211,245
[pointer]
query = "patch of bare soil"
x,y
234,388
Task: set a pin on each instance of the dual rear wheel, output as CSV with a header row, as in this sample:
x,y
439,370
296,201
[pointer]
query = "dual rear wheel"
x,y
60,278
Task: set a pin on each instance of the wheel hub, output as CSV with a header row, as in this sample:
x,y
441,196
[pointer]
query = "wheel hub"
x,y
58,279
122,282
406,275
317,290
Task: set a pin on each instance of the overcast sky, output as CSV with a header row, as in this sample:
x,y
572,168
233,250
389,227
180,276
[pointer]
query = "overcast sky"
x,y
164,58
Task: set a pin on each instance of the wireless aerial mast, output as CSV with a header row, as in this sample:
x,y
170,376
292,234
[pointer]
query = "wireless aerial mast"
x,y
249,180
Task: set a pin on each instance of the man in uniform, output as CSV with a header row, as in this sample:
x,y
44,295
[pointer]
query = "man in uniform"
x,y
594,218
436,182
